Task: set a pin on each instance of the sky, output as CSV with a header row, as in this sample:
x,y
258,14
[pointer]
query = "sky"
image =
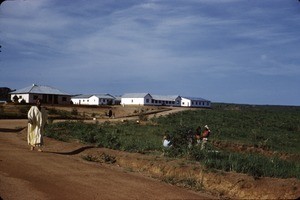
x,y
231,51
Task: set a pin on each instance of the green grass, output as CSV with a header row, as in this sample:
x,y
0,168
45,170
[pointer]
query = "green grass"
x,y
252,164
272,128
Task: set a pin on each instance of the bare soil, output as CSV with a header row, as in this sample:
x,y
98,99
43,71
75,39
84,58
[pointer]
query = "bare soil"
x,y
59,172
62,171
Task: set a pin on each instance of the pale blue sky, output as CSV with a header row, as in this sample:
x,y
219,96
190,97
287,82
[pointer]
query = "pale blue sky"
x,y
233,51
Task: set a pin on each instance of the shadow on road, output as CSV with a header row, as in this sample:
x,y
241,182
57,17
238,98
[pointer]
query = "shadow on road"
x,y
76,151
11,130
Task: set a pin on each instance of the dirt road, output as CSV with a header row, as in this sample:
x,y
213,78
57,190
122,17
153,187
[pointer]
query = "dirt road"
x,y
57,174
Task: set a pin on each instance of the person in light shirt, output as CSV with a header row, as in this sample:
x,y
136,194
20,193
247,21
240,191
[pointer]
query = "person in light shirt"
x,y
37,118
166,141
204,137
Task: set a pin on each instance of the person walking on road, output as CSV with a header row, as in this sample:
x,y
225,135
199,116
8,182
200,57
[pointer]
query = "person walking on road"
x,y
37,118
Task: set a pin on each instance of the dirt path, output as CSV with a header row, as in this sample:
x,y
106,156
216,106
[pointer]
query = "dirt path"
x,y
57,174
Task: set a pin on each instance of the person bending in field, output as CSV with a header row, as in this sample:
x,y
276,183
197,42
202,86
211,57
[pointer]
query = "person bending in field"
x,y
37,118
198,135
204,137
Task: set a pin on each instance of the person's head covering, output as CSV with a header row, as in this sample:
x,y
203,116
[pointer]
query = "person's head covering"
x,y
206,127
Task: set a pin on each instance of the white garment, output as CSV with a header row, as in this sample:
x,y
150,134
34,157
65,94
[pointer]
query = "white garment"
x,y
36,129
166,143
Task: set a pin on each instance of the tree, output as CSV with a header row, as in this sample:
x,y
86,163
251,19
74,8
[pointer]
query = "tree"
x,y
16,99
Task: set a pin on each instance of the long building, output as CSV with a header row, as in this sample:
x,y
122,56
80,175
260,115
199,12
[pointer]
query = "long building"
x,y
94,99
47,94
144,99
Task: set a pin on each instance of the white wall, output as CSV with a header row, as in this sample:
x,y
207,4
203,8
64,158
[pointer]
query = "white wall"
x,y
81,101
185,102
93,100
132,101
195,103
21,96
136,101
75,101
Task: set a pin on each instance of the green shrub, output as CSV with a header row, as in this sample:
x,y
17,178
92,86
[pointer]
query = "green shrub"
x,y
274,129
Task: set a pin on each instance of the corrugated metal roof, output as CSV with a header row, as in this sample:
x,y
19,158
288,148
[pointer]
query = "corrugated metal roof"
x,y
135,95
39,89
104,96
165,97
82,96
100,96
195,98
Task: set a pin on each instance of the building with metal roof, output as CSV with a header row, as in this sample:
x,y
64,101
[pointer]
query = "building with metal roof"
x,y
163,100
94,99
195,102
166,100
136,99
47,94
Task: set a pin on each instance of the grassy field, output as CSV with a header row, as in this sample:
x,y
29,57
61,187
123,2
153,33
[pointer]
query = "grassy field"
x,y
256,140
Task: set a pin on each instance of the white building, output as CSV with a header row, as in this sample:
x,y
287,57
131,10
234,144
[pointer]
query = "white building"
x,y
166,100
94,99
163,100
47,94
195,102
81,99
136,99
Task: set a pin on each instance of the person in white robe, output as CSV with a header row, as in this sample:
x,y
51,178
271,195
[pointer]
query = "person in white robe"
x,y
37,118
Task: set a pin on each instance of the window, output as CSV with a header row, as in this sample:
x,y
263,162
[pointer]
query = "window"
x,y
147,100
64,99
20,97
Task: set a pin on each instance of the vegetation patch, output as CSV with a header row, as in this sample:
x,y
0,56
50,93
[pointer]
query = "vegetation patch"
x,y
272,129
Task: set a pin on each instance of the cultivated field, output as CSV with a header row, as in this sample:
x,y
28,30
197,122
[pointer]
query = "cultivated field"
x,y
253,151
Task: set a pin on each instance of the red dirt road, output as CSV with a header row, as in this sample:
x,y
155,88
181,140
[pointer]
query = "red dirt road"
x,y
51,174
